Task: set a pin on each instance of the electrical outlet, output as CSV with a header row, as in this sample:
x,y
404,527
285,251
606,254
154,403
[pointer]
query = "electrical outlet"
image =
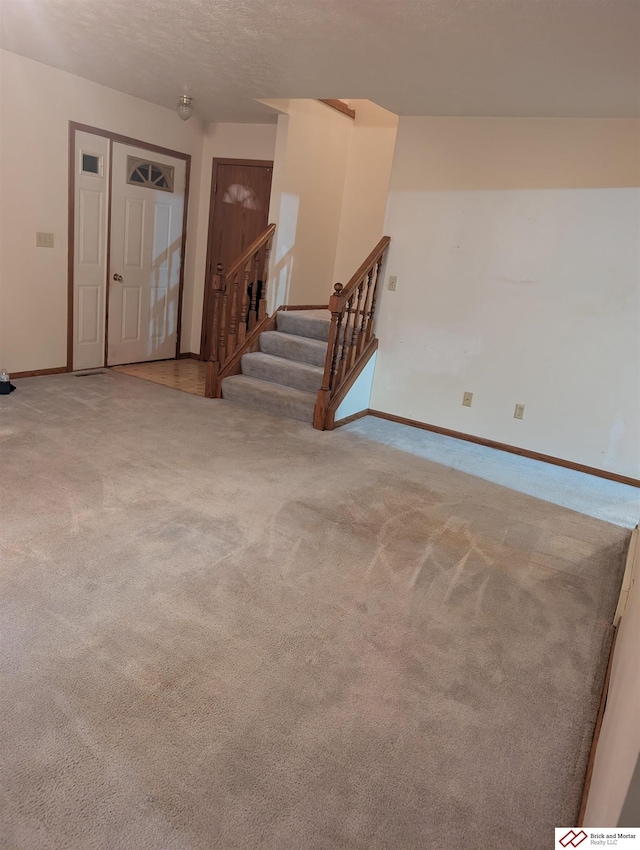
x,y
519,412
44,240
467,398
393,283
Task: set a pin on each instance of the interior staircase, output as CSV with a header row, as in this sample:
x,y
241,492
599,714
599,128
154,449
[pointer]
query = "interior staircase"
x,y
299,362
284,376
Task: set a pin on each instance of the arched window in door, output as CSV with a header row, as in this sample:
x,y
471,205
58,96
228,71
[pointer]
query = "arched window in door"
x,y
243,196
151,175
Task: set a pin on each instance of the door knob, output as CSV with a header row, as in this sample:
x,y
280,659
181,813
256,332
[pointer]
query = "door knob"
x,y
117,277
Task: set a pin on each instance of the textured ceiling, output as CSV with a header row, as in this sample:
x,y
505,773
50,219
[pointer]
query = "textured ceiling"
x,y
572,58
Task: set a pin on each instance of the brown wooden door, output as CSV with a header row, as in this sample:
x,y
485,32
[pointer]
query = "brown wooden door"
x,y
240,192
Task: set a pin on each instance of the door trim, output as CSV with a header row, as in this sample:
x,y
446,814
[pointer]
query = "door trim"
x,y
215,162
107,287
74,126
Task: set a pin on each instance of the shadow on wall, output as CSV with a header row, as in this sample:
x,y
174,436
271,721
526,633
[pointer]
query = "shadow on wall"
x,y
282,258
165,294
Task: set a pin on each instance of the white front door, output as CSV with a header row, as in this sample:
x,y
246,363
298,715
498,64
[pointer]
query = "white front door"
x,y
147,205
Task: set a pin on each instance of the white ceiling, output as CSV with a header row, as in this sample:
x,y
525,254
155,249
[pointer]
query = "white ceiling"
x,y
559,58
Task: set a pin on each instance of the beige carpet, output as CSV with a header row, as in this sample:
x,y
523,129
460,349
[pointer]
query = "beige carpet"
x,y
219,629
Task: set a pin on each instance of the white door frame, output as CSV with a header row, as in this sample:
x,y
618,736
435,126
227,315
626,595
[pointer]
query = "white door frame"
x,y
74,127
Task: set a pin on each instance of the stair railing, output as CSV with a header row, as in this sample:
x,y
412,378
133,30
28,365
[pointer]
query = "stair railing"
x,y
351,339
239,305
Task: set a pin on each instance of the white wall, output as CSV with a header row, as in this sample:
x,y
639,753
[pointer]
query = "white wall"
x,y
516,243
222,141
366,186
36,103
311,154
359,396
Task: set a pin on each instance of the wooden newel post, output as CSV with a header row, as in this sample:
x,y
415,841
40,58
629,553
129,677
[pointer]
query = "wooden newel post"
x,y
213,364
324,393
211,380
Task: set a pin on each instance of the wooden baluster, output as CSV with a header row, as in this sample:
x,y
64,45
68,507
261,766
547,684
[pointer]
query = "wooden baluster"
x,y
335,357
234,299
213,364
262,306
374,296
253,307
346,343
244,303
355,333
214,330
330,363
351,311
362,338
222,320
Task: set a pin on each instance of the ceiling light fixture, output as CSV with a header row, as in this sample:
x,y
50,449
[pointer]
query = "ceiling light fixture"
x,y
185,107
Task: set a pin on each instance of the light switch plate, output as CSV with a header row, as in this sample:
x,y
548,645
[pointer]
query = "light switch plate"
x,y
44,240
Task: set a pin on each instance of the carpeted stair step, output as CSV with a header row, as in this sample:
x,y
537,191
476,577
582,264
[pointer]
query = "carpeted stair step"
x,y
280,370
294,347
274,398
314,324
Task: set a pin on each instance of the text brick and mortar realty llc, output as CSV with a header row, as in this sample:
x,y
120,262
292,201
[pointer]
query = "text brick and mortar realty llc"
x,y
568,838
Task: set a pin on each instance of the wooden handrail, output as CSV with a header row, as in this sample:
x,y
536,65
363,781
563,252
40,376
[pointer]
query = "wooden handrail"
x,y
351,337
257,243
381,247
239,304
